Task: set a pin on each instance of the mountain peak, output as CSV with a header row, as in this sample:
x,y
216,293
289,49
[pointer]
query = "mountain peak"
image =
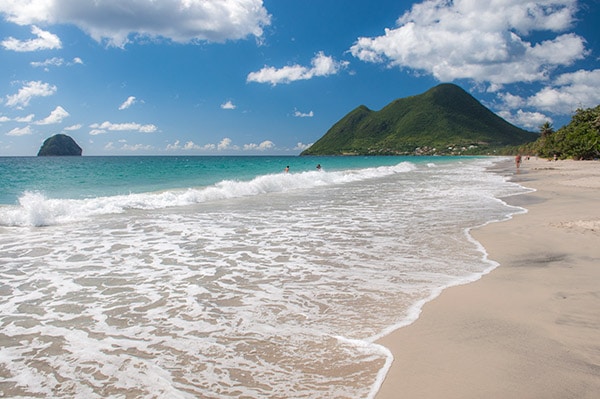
x,y
445,119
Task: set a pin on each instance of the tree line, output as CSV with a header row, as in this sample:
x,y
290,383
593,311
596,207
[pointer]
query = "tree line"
x,y
580,139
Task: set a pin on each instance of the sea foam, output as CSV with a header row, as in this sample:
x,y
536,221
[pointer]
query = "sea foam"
x,y
276,286
35,209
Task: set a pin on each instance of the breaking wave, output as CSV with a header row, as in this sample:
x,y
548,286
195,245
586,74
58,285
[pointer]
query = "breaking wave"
x,y
36,209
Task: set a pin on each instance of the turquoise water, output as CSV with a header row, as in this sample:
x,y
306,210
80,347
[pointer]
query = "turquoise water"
x,y
223,277
87,177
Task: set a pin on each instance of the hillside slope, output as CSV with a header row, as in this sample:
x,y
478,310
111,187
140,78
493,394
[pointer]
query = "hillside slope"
x,y
445,119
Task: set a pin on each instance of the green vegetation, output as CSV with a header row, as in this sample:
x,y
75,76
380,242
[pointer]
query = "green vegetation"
x,y
580,139
59,145
443,120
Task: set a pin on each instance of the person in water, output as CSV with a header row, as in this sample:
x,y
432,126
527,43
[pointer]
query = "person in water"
x,y
287,169
318,166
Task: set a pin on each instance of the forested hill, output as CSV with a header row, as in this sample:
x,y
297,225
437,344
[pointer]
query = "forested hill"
x,y
444,120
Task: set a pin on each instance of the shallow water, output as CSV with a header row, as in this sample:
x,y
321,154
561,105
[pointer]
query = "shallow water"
x,y
271,286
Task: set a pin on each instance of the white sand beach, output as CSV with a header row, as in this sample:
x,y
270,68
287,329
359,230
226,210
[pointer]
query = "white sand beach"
x,y
531,327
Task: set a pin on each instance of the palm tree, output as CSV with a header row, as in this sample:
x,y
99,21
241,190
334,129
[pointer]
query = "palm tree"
x,y
546,129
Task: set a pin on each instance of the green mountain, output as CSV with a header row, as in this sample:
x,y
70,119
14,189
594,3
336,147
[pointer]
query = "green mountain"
x,y
59,145
444,120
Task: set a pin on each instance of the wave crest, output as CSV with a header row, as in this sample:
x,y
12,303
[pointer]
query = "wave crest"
x,y
35,209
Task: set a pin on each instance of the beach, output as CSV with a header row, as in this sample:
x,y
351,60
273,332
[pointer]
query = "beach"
x,y
206,277
531,327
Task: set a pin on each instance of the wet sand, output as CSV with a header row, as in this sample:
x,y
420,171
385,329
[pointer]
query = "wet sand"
x,y
531,327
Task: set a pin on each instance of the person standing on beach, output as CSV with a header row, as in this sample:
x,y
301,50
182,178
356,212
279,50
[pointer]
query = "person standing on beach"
x,y
518,161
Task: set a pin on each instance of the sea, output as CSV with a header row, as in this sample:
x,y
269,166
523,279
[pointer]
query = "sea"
x,y
227,277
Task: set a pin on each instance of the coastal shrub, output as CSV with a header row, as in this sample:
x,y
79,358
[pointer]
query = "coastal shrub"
x,y
580,139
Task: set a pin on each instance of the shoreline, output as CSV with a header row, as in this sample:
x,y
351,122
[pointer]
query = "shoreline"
x,y
530,328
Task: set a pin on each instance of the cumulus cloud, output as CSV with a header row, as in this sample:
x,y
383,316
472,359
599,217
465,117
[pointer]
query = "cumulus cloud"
x,y
526,119
25,119
101,128
136,147
226,144
265,145
568,92
321,65
483,41
228,105
44,41
22,131
127,103
72,128
29,91
126,147
301,146
189,146
119,22
55,117
562,96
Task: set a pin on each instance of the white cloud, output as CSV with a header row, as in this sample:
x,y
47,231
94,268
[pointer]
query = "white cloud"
x,y
528,120
511,101
265,145
56,62
25,119
136,147
128,147
119,22
127,103
569,91
29,91
321,65
173,147
189,146
55,117
45,41
302,146
4,119
101,128
73,127
225,144
299,114
228,105
24,131
49,62
483,41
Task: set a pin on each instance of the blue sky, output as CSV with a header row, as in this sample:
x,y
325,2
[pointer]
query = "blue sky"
x,y
248,77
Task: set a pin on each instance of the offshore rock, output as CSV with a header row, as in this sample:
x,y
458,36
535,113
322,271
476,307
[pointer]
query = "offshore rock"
x,y
59,145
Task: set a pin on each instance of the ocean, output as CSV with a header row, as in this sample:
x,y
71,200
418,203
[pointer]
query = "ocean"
x,y
224,277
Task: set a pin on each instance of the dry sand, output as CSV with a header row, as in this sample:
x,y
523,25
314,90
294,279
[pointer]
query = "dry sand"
x,y
530,328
